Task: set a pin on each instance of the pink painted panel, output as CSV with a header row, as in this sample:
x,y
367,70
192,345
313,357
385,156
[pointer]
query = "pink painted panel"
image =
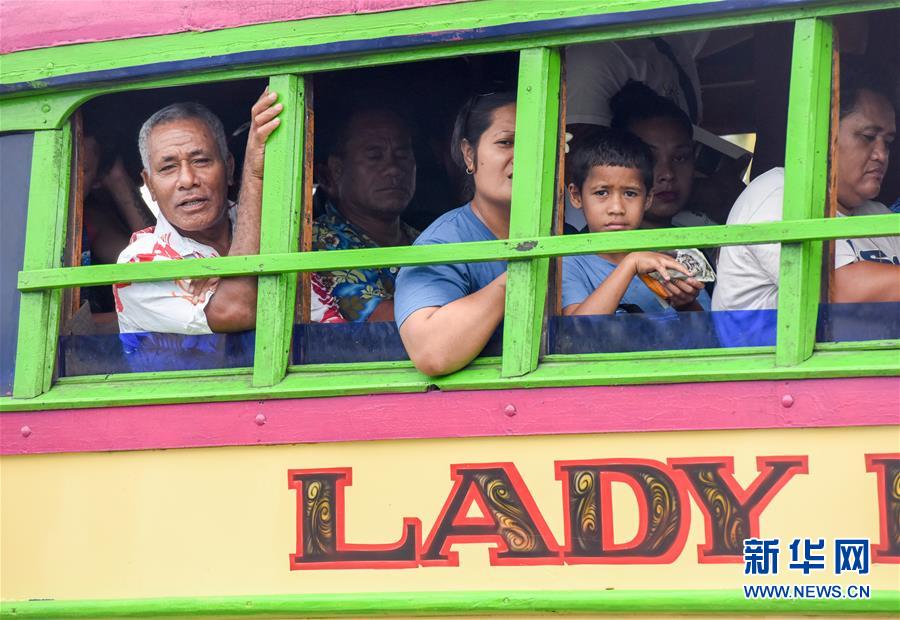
x,y
736,405
30,24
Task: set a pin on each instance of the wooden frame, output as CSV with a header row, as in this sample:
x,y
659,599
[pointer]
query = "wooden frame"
x,y
528,250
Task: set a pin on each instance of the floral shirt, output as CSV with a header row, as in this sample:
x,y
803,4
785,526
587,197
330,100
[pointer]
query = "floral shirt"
x,y
356,291
168,306
164,306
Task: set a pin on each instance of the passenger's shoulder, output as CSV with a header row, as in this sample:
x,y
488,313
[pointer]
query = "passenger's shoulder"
x,y
871,207
761,201
141,242
448,228
586,263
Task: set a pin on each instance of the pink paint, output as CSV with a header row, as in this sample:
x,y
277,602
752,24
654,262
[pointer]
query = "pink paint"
x,y
549,411
30,24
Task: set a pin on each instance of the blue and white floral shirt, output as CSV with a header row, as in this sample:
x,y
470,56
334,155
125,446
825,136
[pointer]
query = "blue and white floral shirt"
x,y
356,291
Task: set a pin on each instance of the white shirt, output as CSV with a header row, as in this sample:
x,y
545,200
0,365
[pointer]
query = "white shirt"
x,y
597,71
748,274
165,306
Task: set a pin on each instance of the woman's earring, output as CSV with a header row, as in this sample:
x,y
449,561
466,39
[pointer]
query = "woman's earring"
x,y
470,171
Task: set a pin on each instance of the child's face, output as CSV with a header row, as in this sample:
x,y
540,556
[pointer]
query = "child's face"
x,y
673,164
613,198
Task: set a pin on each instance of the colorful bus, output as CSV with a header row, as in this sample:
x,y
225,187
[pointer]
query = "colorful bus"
x,y
580,465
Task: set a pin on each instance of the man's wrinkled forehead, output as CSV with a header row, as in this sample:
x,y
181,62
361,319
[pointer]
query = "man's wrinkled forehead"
x,y
190,133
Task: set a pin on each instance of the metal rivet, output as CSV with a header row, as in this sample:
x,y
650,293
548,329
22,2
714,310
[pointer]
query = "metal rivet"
x,y
510,410
45,107
26,431
260,419
787,400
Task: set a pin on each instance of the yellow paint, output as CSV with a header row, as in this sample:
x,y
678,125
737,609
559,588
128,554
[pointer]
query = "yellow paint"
x,y
222,521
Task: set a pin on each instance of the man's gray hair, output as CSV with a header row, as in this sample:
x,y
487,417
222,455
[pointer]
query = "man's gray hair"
x,y
177,112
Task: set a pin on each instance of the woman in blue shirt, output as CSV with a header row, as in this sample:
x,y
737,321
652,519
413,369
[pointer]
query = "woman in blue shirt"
x,y
447,313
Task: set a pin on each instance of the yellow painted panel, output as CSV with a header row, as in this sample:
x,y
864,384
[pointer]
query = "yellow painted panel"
x,y
222,521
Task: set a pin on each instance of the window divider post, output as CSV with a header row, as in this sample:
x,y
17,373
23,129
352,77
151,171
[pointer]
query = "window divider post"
x,y
534,187
805,188
45,234
280,232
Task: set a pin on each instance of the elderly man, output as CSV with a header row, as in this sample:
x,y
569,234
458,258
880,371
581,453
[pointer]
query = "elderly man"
x,y
370,180
187,168
866,270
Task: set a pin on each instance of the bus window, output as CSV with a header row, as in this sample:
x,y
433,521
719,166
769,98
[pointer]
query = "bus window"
x,y
861,292
194,158
384,172
649,151
15,174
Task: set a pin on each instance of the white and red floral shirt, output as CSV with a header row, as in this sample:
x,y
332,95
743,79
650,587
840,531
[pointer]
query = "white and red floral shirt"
x,y
168,306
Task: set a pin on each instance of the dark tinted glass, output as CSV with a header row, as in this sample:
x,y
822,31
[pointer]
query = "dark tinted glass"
x,y
15,174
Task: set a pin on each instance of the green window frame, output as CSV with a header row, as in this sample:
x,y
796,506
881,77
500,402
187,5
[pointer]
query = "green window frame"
x,y
528,250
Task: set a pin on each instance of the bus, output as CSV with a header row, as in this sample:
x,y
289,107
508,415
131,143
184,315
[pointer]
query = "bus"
x,y
612,465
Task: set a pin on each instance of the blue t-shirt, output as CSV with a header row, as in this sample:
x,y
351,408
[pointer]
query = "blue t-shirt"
x,y
583,274
424,286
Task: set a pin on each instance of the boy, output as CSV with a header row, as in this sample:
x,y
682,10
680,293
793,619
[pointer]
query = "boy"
x,y
611,173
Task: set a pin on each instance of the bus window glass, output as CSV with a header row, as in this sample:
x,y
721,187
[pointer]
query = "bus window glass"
x,y
654,124
386,176
862,290
172,194
15,174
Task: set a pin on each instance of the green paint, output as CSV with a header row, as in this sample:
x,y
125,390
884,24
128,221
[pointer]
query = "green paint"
x,y
39,64
280,232
561,245
182,375
25,110
278,260
45,234
707,602
606,369
649,355
49,109
805,182
858,346
676,369
537,125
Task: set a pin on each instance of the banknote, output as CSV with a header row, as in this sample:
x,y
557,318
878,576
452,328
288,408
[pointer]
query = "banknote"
x,y
696,264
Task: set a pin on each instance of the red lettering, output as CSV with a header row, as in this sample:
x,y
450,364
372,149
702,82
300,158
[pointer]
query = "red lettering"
x,y
887,467
730,512
509,517
587,503
320,527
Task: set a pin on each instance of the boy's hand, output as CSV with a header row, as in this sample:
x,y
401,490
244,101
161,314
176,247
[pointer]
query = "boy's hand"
x,y
678,293
683,292
646,262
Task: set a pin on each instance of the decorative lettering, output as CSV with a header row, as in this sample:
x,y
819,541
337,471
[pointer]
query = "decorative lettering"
x,y
320,527
587,503
887,467
732,513
509,517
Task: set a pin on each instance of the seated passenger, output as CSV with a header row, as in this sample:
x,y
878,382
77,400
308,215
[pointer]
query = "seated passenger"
x,y
667,130
371,179
667,65
447,313
866,270
112,211
187,168
611,172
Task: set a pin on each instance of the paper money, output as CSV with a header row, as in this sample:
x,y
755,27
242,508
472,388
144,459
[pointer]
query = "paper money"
x,y
695,262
